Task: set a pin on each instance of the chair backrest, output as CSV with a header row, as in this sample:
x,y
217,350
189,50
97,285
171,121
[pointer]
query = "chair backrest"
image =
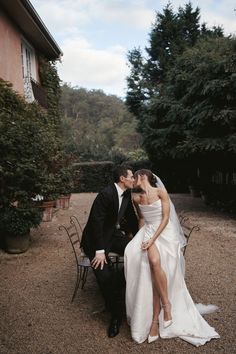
x,y
75,222
183,219
188,230
187,227
74,238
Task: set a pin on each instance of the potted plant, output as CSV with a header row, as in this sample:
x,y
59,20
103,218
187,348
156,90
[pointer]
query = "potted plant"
x,y
65,186
49,196
29,143
15,225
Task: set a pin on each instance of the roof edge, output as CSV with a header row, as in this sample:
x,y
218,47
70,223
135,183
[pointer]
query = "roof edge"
x,y
37,19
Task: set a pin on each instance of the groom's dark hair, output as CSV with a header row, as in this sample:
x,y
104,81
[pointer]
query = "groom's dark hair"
x,y
120,170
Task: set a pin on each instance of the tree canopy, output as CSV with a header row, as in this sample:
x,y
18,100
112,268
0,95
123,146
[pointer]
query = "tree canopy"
x,y
97,126
183,92
195,116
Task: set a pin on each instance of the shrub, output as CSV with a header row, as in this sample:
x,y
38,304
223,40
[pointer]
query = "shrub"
x,y
18,221
92,176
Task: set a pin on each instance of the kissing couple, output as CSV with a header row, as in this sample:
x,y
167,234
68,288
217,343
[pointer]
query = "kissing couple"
x,y
135,218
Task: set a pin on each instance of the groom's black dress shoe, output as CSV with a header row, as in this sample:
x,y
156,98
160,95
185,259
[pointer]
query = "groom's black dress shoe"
x,y
114,327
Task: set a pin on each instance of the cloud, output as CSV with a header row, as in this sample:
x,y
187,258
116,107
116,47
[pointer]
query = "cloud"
x,y
222,13
71,17
130,13
92,34
64,16
84,66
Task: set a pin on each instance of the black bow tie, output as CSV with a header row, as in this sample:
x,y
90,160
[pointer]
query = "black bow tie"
x,y
125,193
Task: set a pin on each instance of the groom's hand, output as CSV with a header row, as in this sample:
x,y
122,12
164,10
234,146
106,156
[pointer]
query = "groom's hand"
x,y
99,260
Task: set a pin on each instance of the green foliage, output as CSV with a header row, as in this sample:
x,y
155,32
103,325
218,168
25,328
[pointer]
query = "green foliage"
x,y
139,164
192,124
138,155
184,97
51,83
59,176
65,176
190,109
18,221
92,176
95,123
28,147
136,82
170,35
202,86
32,160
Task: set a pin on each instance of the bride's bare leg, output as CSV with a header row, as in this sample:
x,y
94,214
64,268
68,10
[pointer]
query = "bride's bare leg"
x,y
154,330
159,278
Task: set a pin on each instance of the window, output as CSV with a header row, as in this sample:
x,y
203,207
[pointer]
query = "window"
x,y
28,60
28,69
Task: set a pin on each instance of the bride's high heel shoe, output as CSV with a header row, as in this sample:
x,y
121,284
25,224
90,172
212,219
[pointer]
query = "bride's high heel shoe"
x,y
153,338
168,322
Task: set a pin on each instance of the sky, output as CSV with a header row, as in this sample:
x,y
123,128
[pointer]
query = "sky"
x,y
96,35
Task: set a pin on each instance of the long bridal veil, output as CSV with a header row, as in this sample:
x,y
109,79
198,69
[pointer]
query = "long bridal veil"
x,y
175,222
202,308
173,215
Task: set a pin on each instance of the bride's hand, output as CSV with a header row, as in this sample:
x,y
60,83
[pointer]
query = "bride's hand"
x,y
146,244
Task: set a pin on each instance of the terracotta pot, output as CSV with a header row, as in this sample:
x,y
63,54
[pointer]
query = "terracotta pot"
x,y
48,204
17,244
65,201
58,203
48,210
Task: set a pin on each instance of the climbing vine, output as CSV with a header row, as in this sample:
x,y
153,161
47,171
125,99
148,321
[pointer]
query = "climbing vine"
x,y
51,82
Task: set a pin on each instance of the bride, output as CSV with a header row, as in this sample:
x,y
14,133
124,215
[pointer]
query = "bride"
x,y
157,300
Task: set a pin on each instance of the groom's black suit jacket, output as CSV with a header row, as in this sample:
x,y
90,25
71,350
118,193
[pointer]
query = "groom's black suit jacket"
x,y
101,225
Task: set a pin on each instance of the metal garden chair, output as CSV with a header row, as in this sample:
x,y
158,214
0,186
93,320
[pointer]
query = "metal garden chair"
x,y
187,228
74,232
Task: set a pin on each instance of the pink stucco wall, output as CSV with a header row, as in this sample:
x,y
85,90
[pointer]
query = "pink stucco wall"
x,y
10,53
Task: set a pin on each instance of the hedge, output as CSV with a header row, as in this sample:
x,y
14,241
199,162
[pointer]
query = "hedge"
x,y
92,176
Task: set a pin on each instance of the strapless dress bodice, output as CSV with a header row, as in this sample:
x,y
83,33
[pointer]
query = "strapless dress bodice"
x,y
152,213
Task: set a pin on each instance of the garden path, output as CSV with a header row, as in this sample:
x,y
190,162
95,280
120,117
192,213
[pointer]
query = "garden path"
x,y
36,316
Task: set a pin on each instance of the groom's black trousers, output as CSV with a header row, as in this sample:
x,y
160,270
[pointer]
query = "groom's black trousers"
x,y
112,280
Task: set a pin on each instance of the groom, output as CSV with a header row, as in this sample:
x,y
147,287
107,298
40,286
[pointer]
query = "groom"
x,y
111,220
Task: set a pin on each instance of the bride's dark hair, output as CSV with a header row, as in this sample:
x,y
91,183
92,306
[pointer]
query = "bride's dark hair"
x,y
151,178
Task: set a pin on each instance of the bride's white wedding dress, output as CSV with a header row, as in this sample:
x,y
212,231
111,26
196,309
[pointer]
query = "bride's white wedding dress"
x,y
188,324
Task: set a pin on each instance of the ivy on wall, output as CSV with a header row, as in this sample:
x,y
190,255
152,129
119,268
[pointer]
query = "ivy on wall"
x,y
32,159
51,82
61,163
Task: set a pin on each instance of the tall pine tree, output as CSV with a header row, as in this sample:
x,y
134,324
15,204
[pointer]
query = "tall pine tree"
x,y
162,113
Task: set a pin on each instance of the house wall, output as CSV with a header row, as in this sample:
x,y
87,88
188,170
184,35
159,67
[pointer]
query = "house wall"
x,y
10,54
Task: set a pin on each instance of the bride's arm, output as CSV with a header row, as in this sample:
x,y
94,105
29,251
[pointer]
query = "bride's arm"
x,y
163,195
135,201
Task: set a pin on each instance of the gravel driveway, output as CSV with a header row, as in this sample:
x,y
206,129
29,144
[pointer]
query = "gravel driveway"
x,y
36,316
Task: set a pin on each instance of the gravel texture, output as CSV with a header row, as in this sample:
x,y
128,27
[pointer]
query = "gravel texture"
x,y
37,317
